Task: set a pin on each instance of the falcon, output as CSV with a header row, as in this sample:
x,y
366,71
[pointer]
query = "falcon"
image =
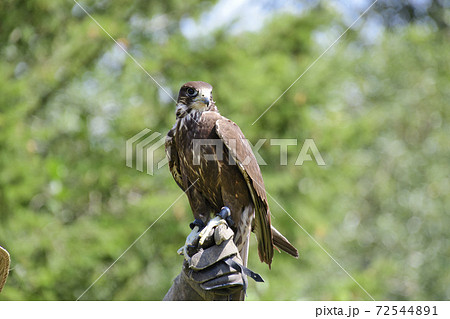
x,y
213,163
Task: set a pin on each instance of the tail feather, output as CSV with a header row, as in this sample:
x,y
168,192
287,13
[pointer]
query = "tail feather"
x,y
281,242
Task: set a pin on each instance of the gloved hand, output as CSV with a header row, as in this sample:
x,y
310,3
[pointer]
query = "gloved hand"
x,y
213,270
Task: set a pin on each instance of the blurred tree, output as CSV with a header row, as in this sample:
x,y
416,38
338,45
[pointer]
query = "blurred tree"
x,y
376,109
401,13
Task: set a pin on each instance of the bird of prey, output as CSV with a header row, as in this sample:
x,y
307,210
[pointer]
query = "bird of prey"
x,y
211,160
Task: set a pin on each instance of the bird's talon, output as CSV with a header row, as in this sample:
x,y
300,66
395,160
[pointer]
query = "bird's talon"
x,y
216,221
190,240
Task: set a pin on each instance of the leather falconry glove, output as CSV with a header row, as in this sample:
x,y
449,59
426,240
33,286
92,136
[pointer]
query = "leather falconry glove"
x,y
214,269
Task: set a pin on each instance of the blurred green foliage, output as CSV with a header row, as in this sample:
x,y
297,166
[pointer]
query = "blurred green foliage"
x,y
377,109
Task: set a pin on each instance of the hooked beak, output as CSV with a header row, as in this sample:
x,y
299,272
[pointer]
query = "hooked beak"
x,y
204,100
201,102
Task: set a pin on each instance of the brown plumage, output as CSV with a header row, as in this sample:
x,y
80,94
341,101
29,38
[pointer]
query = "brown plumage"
x,y
223,171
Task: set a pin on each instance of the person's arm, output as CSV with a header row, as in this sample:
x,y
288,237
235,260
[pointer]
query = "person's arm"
x,y
212,271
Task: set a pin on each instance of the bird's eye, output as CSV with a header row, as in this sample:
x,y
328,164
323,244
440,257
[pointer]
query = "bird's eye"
x,y
191,92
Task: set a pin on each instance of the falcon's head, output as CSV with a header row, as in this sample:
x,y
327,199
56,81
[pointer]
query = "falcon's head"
x,y
195,96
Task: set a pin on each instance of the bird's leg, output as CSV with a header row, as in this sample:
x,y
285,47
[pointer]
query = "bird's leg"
x,y
220,218
196,227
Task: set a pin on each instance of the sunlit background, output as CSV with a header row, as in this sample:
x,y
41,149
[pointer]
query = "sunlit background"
x,y
376,105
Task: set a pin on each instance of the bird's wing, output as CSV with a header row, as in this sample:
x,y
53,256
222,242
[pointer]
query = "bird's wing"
x,y
172,156
242,153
